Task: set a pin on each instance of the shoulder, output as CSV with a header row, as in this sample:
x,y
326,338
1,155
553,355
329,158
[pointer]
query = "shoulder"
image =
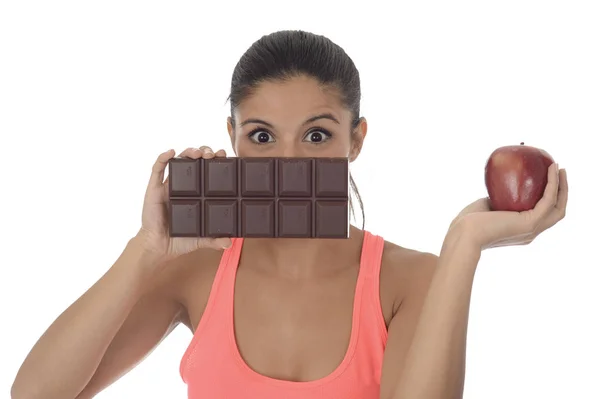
x,y
406,272
407,262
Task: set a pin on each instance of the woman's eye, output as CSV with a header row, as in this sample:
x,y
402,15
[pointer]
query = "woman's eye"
x,y
261,137
317,136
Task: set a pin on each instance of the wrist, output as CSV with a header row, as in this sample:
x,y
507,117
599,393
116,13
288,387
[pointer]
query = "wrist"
x,y
133,269
139,258
149,246
461,248
462,234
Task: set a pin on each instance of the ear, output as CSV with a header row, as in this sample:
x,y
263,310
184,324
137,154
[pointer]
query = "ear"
x,y
358,138
231,131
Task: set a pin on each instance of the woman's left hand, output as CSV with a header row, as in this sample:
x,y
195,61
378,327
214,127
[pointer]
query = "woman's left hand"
x,y
491,229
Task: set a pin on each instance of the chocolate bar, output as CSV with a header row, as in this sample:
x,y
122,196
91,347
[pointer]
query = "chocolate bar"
x,y
259,197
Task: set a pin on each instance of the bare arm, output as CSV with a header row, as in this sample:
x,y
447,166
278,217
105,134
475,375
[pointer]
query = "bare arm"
x,y
102,335
425,355
125,314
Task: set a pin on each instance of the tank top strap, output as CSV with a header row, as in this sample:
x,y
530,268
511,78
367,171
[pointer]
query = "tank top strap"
x,y
370,263
231,257
371,256
229,265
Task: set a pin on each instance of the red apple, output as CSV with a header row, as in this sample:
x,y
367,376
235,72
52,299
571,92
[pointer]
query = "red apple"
x,y
516,176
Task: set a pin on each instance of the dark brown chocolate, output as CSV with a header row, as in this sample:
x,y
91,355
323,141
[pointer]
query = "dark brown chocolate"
x,y
259,197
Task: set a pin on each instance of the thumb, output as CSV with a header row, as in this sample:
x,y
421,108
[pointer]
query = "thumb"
x,y
217,243
480,205
224,242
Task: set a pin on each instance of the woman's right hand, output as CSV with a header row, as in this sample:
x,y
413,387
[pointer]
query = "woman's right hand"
x,y
154,233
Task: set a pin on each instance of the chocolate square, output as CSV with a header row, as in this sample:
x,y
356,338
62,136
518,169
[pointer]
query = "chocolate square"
x,y
220,218
185,218
328,181
184,177
258,218
331,219
295,177
220,177
295,217
258,177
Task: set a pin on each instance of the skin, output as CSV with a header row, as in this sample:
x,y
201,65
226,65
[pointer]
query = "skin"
x,y
158,282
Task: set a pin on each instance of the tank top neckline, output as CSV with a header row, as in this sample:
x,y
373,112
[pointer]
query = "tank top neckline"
x,y
354,332
369,266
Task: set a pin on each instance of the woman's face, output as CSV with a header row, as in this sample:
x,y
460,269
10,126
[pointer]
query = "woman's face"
x,y
294,118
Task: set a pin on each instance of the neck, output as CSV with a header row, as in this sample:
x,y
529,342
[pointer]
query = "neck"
x,y
303,258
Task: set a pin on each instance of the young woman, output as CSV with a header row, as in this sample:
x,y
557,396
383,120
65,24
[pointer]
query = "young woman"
x,y
284,318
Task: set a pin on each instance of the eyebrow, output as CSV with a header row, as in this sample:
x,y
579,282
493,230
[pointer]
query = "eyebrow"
x,y
309,120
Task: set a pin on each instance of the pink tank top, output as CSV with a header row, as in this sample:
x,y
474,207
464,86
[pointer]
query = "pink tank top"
x,y
212,366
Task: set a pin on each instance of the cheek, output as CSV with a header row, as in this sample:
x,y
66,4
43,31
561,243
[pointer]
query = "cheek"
x,y
343,146
334,148
243,148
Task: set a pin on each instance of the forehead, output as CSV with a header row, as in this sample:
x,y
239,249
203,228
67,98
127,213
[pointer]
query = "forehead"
x,y
291,100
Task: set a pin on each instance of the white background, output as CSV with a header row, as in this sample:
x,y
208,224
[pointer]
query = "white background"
x,y
90,93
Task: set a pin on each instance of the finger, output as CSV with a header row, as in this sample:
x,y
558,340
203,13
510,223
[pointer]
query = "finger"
x,y
220,154
548,200
207,152
560,209
192,152
158,169
563,191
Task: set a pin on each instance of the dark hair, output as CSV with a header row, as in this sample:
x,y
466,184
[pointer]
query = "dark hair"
x,y
290,53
